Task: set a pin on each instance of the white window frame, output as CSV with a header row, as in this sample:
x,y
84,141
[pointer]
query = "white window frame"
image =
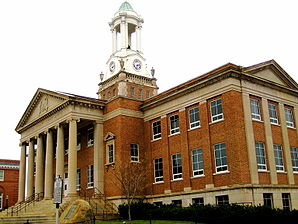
x,y
222,200
261,156
174,124
216,110
78,179
1,201
197,161
90,136
294,158
273,113
289,117
158,169
255,109
79,142
110,153
177,166
286,199
220,158
194,118
90,177
279,163
156,130
2,175
134,152
270,198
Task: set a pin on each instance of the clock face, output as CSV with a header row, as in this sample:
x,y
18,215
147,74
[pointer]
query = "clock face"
x,y
137,64
112,66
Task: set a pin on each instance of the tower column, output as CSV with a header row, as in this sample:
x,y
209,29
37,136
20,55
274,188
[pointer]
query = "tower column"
x,y
60,152
98,156
72,157
138,38
30,172
123,32
114,40
22,173
39,166
49,166
286,144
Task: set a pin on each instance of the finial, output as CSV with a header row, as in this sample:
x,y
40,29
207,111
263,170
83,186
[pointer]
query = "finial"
x,y
101,75
152,72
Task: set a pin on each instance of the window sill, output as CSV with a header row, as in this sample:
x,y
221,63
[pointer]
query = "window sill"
x,y
160,182
177,180
154,140
281,172
110,164
257,120
198,176
177,133
275,124
217,121
221,172
295,172
87,188
88,146
194,128
135,162
291,127
263,171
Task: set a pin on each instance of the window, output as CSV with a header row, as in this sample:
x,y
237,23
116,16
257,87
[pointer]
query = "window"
x,y
198,201
268,200
278,158
79,140
273,113
78,180
177,166
255,109
261,159
221,162
90,137
294,156
156,130
222,200
289,117
194,118
158,171
140,94
65,145
147,94
174,122
90,176
197,162
134,152
177,203
114,92
216,110
110,153
132,92
1,175
286,201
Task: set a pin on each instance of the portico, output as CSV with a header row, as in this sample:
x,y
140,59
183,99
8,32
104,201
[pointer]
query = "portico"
x,y
51,141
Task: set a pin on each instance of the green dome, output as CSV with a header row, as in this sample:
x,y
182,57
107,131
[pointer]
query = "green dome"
x,y
125,6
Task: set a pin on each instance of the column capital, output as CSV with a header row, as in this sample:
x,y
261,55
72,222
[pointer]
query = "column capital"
x,y
98,122
77,119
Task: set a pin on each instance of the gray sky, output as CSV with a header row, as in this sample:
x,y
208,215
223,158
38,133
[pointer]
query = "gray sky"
x,y
63,45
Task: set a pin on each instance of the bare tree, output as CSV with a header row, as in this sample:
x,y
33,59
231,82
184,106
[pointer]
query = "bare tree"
x,y
133,182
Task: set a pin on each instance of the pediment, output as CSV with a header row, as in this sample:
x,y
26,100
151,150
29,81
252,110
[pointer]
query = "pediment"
x,y
272,72
42,103
109,136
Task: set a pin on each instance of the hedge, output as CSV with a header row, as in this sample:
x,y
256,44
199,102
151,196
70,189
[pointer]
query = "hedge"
x,y
210,213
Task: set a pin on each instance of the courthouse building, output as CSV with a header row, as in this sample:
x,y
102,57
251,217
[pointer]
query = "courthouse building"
x,y
227,136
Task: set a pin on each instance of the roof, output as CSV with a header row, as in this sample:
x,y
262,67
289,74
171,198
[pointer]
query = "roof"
x,y
125,6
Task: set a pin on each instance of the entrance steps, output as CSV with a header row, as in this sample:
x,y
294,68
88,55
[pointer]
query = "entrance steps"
x,y
28,219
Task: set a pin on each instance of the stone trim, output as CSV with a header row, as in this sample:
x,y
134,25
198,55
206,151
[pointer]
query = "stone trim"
x,y
123,112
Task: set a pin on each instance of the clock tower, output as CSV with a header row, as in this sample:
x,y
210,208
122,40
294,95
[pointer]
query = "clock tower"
x,y
126,69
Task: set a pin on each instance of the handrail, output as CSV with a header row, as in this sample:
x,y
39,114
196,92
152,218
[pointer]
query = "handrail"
x,y
24,204
99,195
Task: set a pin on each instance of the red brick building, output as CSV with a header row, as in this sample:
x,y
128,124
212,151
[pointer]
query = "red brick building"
x,y
228,136
9,176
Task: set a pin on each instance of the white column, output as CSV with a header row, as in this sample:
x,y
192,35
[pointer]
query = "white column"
x,y
98,156
250,140
39,178
30,172
123,33
296,118
286,144
60,152
138,38
269,142
49,166
22,173
72,157
114,40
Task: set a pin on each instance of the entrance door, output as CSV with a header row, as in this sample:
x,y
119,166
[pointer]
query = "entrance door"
x,y
65,184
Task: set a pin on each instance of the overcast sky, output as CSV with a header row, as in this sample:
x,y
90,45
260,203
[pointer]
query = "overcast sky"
x,y
63,45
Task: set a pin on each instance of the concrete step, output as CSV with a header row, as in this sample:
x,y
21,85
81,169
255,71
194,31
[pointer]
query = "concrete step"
x,y
27,219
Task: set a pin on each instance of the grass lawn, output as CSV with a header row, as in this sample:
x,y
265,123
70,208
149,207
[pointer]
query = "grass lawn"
x,y
144,222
